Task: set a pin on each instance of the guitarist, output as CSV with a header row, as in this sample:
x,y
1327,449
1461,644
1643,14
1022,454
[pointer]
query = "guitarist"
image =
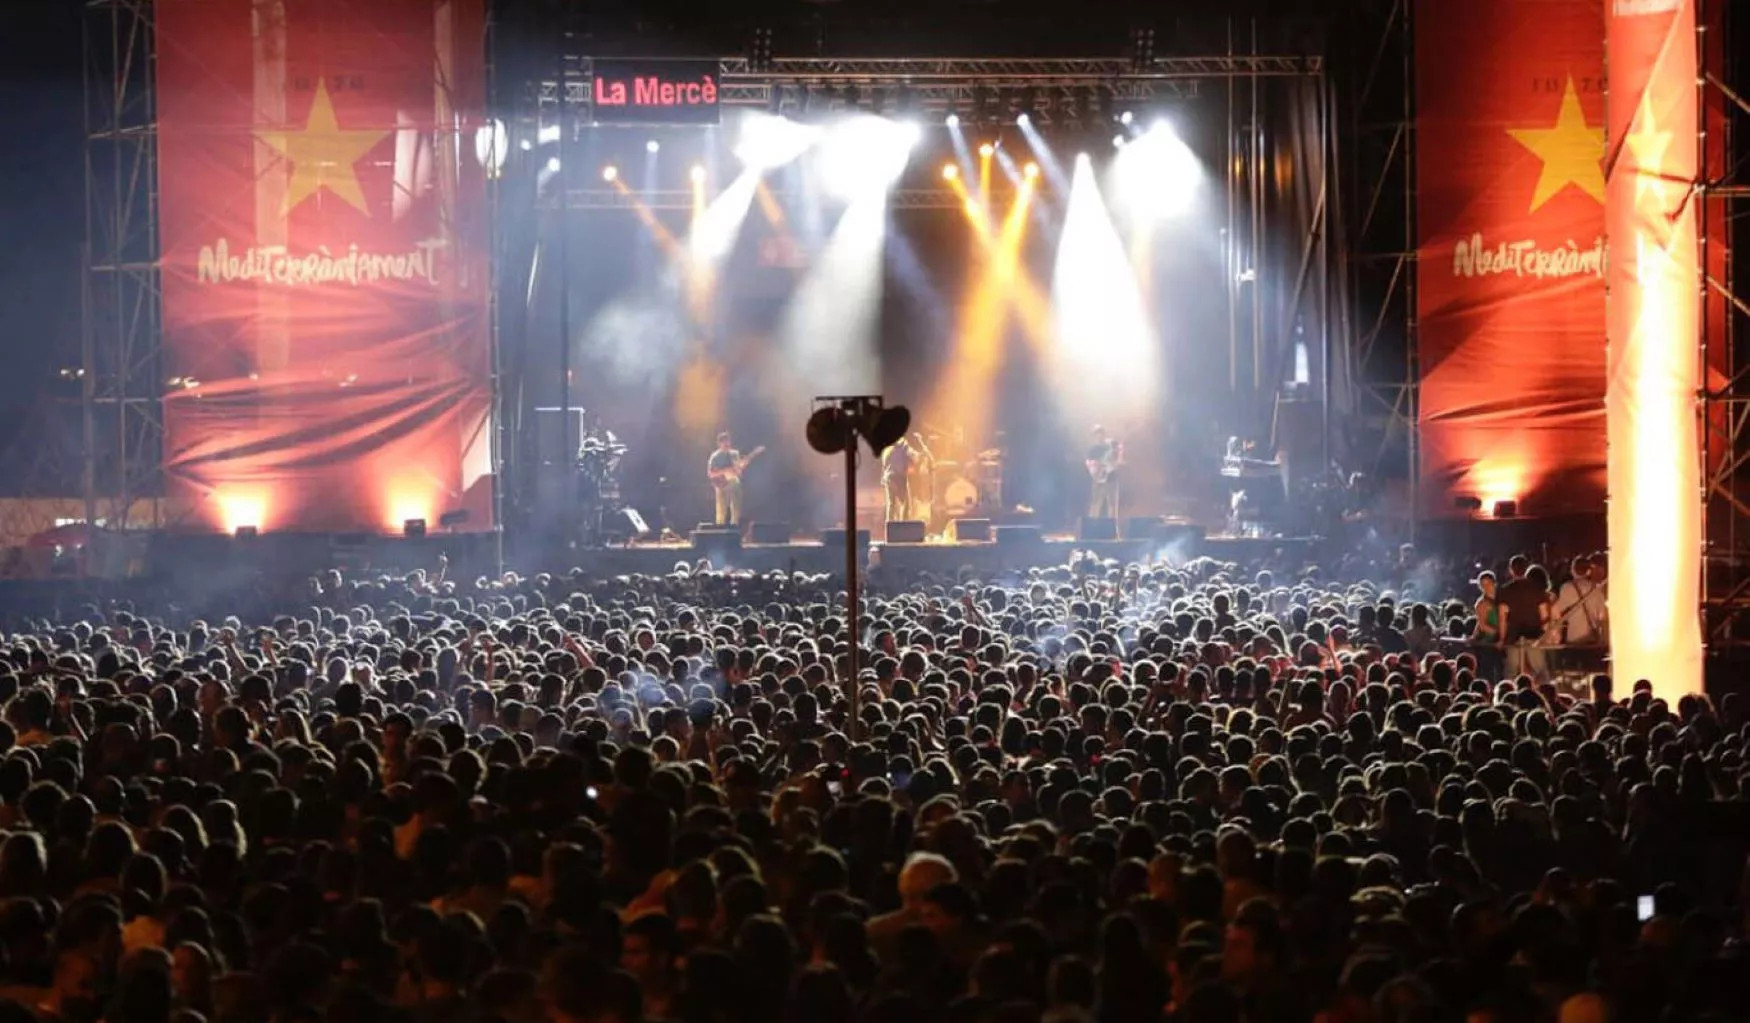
x,y
1105,457
724,470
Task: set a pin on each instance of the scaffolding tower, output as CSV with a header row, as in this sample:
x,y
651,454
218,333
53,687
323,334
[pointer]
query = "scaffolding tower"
x,y
1381,254
1723,149
120,360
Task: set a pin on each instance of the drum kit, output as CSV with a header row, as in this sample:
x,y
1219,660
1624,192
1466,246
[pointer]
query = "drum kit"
x,y
969,486
599,458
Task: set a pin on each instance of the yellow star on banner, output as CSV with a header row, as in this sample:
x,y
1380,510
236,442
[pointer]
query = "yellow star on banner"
x,y
1572,152
1649,145
323,154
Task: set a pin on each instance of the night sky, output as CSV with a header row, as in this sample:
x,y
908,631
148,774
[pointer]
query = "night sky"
x,y
41,212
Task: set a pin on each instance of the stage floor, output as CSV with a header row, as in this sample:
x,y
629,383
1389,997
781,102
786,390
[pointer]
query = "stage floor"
x,y
209,560
937,558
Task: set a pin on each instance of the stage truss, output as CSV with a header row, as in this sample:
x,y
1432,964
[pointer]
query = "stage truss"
x,y
119,369
1381,257
1054,91
1724,99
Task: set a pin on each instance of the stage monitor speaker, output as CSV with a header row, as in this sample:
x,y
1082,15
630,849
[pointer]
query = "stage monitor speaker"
x,y
1020,536
769,532
1142,527
550,435
905,531
835,537
969,530
1186,536
1098,529
711,540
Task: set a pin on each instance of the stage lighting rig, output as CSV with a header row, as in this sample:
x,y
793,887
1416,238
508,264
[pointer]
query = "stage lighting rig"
x,y
989,105
1094,105
1142,49
759,54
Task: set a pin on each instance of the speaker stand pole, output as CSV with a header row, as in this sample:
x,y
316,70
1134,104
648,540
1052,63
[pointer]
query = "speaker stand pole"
x,y
852,610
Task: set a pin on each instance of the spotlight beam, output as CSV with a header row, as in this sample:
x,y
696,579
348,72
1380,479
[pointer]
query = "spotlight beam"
x,y
1105,356
1047,160
966,392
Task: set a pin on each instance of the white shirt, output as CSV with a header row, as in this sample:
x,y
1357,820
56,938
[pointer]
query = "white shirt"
x,y
1581,605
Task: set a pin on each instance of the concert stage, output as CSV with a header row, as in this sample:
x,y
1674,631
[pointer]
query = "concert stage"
x,y
944,558
212,559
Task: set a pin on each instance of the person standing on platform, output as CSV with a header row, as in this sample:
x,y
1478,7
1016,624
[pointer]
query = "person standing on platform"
x,y
724,469
898,462
1580,607
1105,457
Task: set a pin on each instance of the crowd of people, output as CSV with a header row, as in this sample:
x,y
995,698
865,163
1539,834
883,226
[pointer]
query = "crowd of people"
x,y
1194,792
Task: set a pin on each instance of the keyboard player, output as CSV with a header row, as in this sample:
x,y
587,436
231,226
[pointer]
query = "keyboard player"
x,y
1251,498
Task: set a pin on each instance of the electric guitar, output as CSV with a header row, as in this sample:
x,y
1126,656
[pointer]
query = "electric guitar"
x,y
732,474
1102,469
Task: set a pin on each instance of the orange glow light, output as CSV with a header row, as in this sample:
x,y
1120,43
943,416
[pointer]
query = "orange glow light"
x,y
950,172
407,502
965,395
242,506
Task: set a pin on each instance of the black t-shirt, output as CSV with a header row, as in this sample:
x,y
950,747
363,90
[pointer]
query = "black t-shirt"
x,y
721,460
1101,453
1520,600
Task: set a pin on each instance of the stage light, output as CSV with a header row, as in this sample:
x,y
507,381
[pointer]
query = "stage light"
x,y
1157,176
242,510
610,173
864,155
768,142
1031,170
950,172
1023,119
952,120
452,519
527,145
1104,350
987,150
1118,141
413,527
246,532
1126,117
1506,509
652,146
698,174
553,165
548,133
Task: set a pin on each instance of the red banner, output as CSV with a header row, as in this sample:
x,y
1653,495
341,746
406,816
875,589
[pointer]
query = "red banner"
x,y
1510,281
1655,351
325,254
